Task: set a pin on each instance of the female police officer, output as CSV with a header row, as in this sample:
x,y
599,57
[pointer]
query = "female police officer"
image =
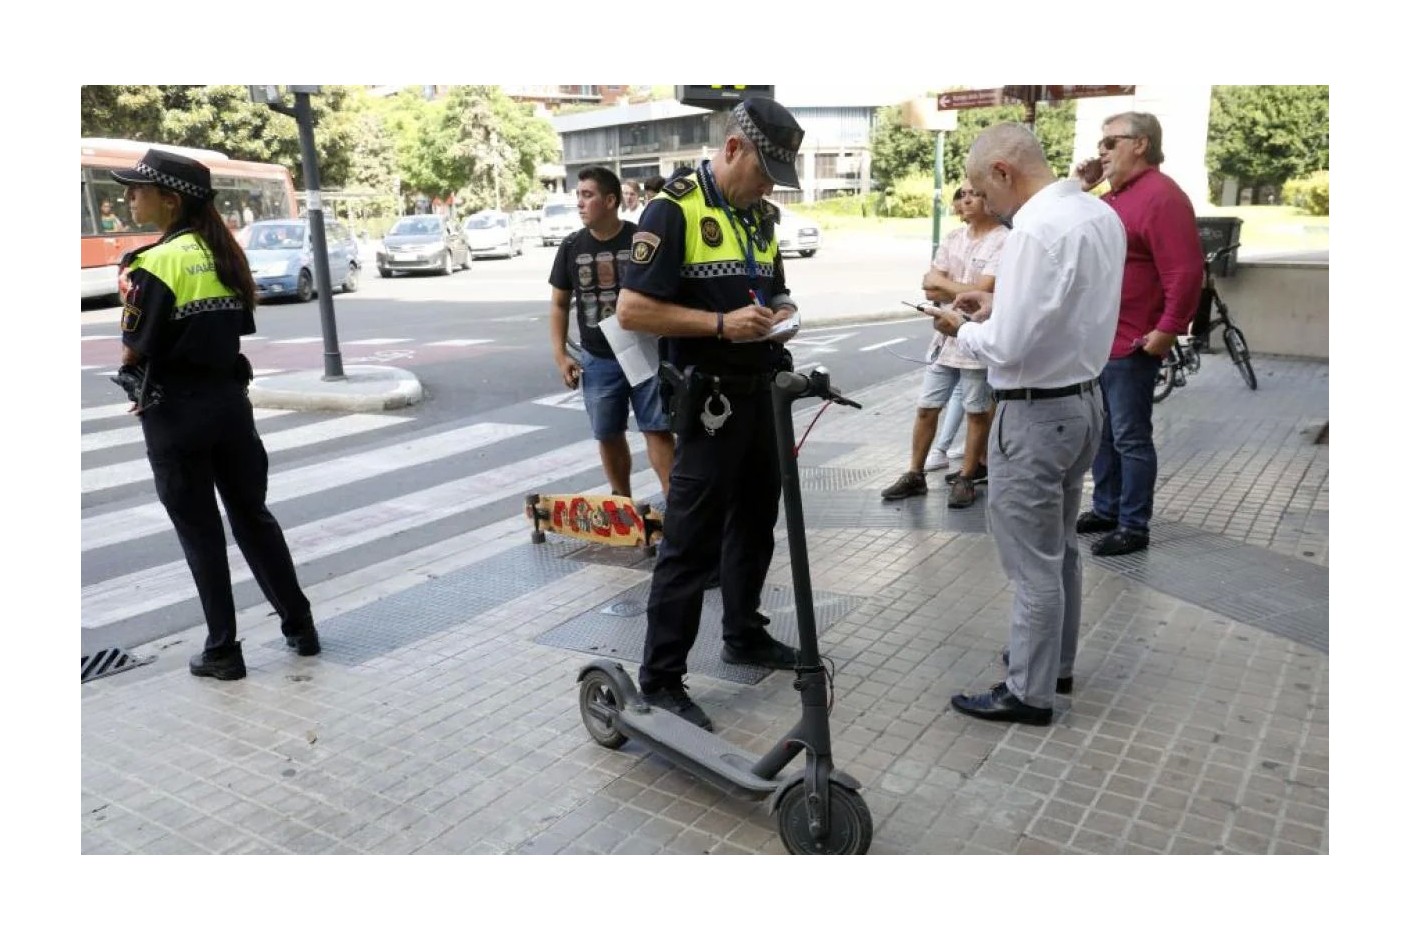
x,y
187,300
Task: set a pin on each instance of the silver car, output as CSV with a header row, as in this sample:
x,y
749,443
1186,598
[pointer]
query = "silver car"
x,y
422,243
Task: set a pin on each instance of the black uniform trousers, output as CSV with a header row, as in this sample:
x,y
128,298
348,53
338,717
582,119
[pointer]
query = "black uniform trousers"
x,y
720,513
200,441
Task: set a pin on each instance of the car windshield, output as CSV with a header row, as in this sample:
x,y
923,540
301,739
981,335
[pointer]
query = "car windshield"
x,y
267,237
486,221
557,210
413,226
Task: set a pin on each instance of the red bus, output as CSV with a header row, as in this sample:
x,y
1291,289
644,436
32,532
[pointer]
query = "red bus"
x,y
245,192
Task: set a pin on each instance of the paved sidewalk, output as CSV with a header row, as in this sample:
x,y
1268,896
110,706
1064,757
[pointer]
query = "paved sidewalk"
x,y
442,716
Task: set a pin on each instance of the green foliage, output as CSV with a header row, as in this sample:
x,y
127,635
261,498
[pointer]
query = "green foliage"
x,y
911,197
898,151
1263,134
1054,123
1311,194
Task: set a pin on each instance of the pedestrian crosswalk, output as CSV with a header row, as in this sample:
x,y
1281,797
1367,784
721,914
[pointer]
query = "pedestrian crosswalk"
x,y
389,485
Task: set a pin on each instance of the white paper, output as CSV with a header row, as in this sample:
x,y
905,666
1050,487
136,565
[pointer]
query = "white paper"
x,y
636,352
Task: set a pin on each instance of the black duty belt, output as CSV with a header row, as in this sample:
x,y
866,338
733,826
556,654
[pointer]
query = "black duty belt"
x,y
739,384
1031,394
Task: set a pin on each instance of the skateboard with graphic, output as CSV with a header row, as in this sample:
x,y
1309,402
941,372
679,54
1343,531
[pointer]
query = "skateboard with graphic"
x,y
595,517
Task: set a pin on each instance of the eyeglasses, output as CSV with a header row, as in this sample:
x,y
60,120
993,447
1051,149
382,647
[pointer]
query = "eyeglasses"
x,y
1109,142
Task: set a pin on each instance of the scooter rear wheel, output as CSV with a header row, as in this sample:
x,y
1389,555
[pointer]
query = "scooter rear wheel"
x,y
850,830
599,702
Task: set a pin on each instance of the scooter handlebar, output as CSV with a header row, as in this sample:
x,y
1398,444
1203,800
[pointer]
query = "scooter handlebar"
x,y
818,384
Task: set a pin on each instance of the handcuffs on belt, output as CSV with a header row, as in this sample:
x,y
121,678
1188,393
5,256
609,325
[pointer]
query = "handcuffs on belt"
x,y
713,422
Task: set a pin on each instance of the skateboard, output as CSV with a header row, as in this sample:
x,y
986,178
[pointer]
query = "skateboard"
x,y
595,517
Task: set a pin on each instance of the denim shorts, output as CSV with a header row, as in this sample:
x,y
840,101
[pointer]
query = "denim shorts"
x,y
939,382
606,393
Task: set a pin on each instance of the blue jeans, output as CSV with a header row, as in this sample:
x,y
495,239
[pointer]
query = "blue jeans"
x,y
1123,473
606,394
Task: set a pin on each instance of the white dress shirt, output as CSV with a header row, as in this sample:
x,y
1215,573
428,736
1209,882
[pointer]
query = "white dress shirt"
x,y
1056,294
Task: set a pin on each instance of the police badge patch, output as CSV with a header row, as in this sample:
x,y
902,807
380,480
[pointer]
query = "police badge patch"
x,y
680,185
710,231
644,245
130,316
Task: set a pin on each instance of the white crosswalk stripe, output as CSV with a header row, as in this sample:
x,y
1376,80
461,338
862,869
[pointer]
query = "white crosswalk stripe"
x,y
101,478
101,440
130,595
113,527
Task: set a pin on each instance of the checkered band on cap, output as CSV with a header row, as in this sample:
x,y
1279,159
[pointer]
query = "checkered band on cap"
x,y
168,181
758,138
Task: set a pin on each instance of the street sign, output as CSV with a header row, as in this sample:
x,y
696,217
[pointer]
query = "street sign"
x,y
973,98
1065,92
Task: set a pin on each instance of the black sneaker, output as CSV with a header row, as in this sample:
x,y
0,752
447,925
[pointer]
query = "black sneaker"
x,y
765,652
909,484
981,475
305,642
673,698
1090,521
219,664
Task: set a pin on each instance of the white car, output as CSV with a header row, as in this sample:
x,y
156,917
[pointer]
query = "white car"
x,y
797,234
558,221
491,234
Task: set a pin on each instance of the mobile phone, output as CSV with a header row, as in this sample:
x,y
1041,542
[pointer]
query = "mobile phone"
x,y
926,308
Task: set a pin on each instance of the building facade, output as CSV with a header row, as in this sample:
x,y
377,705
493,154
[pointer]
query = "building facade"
x,y
637,141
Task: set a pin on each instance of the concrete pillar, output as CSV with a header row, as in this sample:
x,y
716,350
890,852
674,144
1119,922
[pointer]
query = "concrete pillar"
x,y
1183,111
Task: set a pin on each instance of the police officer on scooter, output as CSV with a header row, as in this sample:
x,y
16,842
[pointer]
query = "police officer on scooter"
x,y
705,275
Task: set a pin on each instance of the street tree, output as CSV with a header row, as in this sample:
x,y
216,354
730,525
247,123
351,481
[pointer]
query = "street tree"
x,y
1268,134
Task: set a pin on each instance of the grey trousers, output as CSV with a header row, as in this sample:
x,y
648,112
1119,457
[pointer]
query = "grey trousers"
x,y
1039,451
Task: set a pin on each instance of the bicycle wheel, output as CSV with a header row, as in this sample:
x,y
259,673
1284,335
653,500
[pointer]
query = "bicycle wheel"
x,y
1238,353
1166,377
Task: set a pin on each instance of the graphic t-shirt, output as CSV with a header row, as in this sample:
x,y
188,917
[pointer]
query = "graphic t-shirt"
x,y
591,270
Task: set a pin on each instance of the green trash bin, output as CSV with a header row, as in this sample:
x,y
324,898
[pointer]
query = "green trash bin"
x,y
1217,232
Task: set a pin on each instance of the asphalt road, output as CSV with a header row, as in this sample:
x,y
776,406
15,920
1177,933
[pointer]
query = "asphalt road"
x,y
352,491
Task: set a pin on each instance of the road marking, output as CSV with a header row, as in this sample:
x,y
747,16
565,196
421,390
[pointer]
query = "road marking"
x,y
90,368
113,527
573,400
101,440
103,336
119,474
140,592
459,342
380,341
298,339
105,411
889,342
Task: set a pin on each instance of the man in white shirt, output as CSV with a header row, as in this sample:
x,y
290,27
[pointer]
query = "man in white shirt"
x,y
631,202
1045,334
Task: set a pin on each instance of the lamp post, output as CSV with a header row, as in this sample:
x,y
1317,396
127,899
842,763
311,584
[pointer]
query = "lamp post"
x,y
302,113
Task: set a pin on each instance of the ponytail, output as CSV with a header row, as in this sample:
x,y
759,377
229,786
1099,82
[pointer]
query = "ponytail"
x,y
231,266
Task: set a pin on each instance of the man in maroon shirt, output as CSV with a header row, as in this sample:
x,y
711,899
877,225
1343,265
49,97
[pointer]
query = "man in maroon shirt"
x,y
1159,291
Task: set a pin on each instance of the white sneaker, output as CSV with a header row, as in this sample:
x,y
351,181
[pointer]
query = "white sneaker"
x,y
936,460
957,454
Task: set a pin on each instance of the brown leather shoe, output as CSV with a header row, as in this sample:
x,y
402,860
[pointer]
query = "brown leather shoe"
x,y
909,484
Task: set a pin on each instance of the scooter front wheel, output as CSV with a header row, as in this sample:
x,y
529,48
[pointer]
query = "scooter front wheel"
x,y
850,822
599,702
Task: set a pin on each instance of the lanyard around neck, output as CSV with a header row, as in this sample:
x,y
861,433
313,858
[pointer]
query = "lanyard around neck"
x,y
745,242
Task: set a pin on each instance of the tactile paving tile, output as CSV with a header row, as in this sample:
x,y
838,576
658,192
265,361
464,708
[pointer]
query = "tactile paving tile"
x,y
866,509
1264,589
418,612
617,629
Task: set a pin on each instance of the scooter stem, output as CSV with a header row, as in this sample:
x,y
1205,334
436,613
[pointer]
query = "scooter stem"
x,y
785,392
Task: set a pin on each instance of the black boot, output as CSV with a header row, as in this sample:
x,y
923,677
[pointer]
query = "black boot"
x,y
219,664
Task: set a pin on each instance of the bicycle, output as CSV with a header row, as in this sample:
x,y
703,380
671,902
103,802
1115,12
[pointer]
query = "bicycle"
x,y
1184,356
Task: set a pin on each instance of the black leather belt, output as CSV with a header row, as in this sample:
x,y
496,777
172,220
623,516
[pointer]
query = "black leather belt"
x,y
1030,394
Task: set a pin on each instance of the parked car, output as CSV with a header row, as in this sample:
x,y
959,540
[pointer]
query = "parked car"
x,y
280,252
492,235
797,234
526,222
558,221
423,243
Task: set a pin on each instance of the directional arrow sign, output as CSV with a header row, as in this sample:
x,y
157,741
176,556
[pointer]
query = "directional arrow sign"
x,y
974,98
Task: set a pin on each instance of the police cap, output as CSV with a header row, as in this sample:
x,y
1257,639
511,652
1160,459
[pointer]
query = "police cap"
x,y
169,171
769,127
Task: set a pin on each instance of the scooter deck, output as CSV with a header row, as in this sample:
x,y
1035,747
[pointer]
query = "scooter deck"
x,y
704,754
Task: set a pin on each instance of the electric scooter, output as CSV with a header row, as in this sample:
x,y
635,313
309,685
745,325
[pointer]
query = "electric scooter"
x,y
819,810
